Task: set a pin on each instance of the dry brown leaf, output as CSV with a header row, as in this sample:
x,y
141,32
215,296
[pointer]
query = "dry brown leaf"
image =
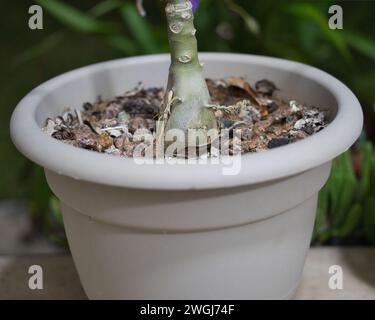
x,y
244,85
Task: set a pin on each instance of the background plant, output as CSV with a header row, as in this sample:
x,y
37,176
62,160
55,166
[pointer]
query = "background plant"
x,y
346,207
78,33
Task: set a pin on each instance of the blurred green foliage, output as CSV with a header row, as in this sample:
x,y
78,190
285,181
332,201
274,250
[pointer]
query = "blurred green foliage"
x,y
78,33
346,206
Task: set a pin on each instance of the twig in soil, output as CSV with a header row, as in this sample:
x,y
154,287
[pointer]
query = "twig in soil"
x,y
79,117
135,91
164,117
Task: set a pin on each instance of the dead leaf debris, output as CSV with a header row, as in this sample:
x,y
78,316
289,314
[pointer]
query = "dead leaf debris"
x,y
265,121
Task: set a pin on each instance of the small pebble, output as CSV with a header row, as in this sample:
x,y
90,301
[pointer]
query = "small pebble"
x,y
63,134
265,87
272,106
123,116
49,128
277,142
114,133
227,123
299,124
294,107
247,133
292,134
68,119
105,140
219,114
112,150
264,114
120,142
59,121
87,106
289,118
137,123
309,130
270,129
112,111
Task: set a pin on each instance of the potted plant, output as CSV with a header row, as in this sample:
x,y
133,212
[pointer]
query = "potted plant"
x,y
177,230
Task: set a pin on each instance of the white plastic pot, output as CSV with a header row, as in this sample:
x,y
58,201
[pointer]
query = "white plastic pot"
x,y
188,231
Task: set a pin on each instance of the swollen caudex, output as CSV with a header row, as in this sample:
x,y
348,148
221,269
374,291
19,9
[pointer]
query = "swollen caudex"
x,y
185,76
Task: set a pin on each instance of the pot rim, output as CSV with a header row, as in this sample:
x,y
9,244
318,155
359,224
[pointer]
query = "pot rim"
x,y
95,167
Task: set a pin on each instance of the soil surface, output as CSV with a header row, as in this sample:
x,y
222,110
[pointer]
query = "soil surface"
x,y
263,120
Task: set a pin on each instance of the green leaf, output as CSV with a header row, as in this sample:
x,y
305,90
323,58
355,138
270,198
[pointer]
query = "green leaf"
x,y
335,181
55,209
286,51
123,44
345,201
75,19
57,37
363,44
347,164
325,234
251,23
369,220
321,214
40,193
351,222
367,156
139,28
104,7
310,12
44,46
59,240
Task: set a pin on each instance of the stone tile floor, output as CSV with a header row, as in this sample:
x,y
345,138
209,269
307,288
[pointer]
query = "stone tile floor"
x,y
61,280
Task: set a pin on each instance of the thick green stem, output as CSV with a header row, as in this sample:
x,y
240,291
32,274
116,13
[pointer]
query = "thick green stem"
x,y
186,81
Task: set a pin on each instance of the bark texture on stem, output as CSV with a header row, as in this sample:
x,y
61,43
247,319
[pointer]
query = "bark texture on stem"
x,y
186,79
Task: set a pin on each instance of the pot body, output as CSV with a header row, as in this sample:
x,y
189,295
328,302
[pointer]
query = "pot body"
x,y
236,243
188,231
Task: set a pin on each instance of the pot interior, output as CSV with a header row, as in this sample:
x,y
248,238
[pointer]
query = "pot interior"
x,y
110,79
296,81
